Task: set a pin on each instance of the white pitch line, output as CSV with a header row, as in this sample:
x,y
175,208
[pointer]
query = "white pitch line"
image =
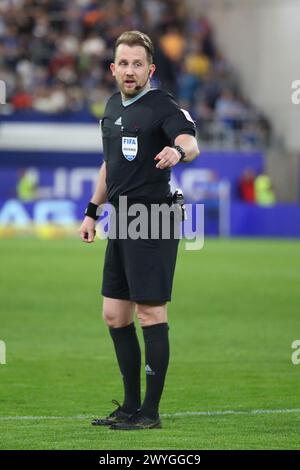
x,y
231,412
166,415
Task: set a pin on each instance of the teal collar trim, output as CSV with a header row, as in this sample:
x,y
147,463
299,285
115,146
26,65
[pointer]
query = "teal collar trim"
x,y
135,98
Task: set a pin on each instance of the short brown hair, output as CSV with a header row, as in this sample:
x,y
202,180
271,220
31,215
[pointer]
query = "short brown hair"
x,y
136,38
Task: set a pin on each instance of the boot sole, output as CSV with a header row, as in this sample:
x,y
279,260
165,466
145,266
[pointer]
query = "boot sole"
x,y
137,428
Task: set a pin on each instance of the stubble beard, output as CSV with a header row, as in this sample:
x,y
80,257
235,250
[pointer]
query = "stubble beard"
x,y
130,93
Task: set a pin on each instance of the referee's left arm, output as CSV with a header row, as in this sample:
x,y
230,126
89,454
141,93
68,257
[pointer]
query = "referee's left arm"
x,y
190,146
170,156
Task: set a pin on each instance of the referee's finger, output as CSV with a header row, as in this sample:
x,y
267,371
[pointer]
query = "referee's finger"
x,y
160,164
91,235
87,236
166,162
83,236
161,154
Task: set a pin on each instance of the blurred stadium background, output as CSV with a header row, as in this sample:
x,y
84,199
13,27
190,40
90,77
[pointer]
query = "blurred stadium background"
x,y
231,63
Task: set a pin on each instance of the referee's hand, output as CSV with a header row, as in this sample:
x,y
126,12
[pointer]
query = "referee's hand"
x,y
87,230
167,157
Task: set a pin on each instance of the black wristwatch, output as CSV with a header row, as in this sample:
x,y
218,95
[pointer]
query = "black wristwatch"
x,y
91,211
181,151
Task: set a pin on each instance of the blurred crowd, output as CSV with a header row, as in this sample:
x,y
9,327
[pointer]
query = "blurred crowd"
x,y
55,56
256,188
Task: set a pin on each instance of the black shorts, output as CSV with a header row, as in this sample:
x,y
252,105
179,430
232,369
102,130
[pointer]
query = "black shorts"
x,y
139,270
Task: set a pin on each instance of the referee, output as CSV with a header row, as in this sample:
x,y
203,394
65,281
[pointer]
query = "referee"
x,y
144,134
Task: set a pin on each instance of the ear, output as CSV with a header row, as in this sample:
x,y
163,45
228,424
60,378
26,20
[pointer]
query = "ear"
x,y
113,69
152,70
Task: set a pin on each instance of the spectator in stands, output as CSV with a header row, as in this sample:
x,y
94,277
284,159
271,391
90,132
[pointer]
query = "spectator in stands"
x,y
51,100
194,71
229,109
21,99
246,186
166,74
172,44
264,193
27,185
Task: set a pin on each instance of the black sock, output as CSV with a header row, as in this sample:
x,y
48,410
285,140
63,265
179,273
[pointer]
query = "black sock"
x,y
157,359
129,359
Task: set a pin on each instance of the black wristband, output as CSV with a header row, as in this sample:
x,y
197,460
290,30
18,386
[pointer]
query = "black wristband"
x,y
91,211
180,151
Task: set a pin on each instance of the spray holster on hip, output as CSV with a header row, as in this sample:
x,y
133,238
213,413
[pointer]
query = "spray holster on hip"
x,y
178,199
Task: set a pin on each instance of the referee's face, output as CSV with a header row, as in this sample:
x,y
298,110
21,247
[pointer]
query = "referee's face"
x,y
132,70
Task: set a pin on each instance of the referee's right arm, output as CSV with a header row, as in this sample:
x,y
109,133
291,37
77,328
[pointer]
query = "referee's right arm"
x,y
87,228
99,196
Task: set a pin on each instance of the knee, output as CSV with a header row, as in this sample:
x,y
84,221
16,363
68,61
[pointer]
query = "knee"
x,y
117,313
109,318
151,314
113,320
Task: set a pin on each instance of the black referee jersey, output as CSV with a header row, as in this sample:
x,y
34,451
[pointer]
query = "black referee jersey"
x,y
133,133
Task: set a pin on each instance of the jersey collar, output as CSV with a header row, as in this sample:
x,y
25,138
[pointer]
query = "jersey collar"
x,y
137,97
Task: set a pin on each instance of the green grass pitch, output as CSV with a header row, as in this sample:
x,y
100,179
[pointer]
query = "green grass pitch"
x,y
234,315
